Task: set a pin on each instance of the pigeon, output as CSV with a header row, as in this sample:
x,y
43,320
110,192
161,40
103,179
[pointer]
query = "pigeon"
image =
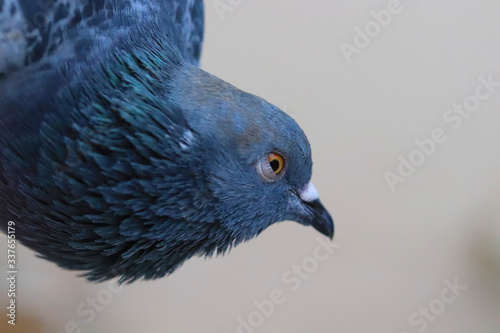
x,y
120,157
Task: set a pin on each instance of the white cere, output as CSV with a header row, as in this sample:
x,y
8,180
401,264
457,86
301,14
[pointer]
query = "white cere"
x,y
308,193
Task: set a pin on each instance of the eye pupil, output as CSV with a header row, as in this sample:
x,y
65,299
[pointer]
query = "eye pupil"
x,y
275,165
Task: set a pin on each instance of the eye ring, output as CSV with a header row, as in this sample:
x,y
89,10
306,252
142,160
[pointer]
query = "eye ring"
x,y
271,167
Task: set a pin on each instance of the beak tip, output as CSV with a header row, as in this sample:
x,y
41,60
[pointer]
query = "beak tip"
x,y
331,235
322,220
327,229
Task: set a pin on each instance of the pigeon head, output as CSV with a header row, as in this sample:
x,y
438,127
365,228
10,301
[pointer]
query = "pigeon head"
x,y
257,160
140,160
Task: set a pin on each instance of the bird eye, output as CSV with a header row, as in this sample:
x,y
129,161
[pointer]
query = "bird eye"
x,y
271,166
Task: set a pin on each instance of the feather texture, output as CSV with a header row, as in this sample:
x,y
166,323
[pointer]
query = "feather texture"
x,y
119,157
49,31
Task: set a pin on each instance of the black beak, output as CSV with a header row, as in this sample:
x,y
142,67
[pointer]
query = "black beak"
x,y
319,218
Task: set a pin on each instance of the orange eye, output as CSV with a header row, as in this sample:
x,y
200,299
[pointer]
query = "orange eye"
x,y
271,167
277,163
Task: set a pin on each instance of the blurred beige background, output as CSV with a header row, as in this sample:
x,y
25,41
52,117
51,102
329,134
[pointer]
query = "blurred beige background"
x,y
395,249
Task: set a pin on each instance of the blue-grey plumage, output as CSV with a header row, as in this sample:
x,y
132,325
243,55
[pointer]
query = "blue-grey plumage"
x,y
120,157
